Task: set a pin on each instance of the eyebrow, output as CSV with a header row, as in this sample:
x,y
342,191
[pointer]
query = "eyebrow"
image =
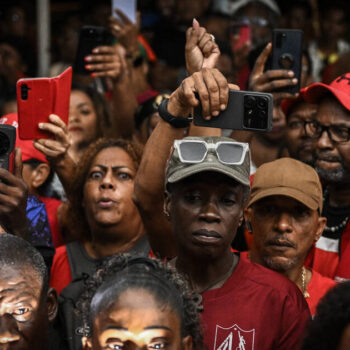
x,y
104,168
83,104
157,327
146,328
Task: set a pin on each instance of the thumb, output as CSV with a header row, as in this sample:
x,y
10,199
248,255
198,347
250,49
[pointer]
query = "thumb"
x,y
18,165
192,35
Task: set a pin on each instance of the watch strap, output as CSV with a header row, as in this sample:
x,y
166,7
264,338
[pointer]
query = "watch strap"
x,y
176,122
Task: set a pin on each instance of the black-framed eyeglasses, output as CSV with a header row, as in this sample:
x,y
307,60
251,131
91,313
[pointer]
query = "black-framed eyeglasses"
x,y
336,133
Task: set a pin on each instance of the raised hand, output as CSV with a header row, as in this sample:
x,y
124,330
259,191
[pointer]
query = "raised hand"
x,y
271,80
104,61
201,51
212,89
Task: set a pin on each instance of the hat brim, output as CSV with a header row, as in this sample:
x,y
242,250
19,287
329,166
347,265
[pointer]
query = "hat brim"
x,y
315,92
287,192
209,166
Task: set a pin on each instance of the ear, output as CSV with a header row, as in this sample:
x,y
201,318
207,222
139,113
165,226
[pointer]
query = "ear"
x,y
40,174
166,205
322,221
86,343
187,343
52,304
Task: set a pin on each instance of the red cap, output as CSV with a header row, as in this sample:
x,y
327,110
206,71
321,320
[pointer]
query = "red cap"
x,y
288,103
26,146
339,87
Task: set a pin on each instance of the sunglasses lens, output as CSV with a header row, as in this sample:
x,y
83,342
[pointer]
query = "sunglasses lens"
x,y
230,153
192,151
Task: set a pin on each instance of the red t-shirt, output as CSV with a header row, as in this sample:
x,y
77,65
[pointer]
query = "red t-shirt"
x,y
317,288
61,274
256,308
52,205
329,260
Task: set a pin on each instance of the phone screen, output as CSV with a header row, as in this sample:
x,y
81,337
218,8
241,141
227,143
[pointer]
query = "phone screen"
x,y
128,7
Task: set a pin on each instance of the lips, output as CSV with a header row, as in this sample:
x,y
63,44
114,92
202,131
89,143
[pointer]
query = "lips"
x,y
280,244
206,236
74,128
106,203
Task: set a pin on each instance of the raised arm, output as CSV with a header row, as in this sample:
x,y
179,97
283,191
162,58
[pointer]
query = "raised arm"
x,y
212,89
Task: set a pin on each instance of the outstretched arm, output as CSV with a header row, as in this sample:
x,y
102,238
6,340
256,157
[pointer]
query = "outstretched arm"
x,y
212,89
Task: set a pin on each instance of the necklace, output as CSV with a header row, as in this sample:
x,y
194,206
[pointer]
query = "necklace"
x,y
303,283
197,296
335,228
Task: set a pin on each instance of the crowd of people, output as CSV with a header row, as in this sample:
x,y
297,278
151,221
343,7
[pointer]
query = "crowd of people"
x,y
131,227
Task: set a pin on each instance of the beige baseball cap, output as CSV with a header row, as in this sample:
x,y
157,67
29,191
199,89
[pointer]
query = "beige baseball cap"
x,y
288,177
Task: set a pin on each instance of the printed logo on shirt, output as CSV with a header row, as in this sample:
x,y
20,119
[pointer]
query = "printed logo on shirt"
x,y
233,338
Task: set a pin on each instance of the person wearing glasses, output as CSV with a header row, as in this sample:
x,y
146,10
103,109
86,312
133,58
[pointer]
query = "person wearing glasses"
x,y
330,131
244,305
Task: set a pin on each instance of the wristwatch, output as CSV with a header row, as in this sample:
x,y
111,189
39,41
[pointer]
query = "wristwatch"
x,y
176,122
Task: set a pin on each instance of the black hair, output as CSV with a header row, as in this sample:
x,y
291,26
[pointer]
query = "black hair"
x,y
122,272
300,4
331,319
44,188
17,252
338,5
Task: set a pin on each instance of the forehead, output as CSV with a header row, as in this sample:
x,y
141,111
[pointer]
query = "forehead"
x,y
112,157
137,309
18,280
330,111
78,96
303,110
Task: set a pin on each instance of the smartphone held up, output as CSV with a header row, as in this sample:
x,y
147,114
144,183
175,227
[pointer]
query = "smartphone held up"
x,y
246,110
37,98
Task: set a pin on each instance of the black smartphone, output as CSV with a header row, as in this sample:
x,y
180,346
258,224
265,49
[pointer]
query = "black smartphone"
x,y
89,38
7,146
287,50
246,110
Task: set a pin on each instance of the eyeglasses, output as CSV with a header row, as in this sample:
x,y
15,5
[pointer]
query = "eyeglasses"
x,y
336,133
257,21
227,152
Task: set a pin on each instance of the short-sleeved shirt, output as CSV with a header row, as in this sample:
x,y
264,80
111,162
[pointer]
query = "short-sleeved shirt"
x,y
256,308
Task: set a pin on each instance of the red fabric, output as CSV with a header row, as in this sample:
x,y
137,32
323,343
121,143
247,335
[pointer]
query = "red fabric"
x,y
26,146
52,205
325,259
243,77
61,274
255,309
317,288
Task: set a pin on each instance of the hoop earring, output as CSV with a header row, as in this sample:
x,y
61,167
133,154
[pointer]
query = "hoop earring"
x,y
249,226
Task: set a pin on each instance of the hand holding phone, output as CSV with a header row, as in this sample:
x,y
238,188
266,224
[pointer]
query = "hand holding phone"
x,y
37,98
272,81
246,110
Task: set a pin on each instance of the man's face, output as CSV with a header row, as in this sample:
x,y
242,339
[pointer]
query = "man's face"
x,y
283,231
332,160
333,24
299,145
205,211
23,310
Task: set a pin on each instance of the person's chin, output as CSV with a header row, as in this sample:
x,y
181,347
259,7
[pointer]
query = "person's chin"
x,y
278,263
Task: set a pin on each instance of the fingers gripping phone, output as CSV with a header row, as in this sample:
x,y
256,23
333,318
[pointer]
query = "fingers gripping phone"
x,y
245,110
7,146
89,38
37,98
287,48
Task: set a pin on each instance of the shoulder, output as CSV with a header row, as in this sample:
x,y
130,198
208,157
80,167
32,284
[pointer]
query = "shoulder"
x,y
321,282
61,274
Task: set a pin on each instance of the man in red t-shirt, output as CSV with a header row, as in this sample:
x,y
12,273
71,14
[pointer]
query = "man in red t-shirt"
x,y
244,305
284,216
330,130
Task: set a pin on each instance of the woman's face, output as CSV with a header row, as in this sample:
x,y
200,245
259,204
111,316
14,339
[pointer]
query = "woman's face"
x,y
82,123
137,321
107,195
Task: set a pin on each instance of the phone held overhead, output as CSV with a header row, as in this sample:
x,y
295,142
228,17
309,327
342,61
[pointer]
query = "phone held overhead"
x,y
37,98
246,110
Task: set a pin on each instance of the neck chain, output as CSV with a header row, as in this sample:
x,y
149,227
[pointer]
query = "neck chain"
x,y
303,283
338,227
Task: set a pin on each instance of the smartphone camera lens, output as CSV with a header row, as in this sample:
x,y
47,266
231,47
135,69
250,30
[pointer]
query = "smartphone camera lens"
x,y
286,61
4,144
24,91
262,103
249,102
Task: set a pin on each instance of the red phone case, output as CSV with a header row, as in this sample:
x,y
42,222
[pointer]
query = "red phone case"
x,y
45,96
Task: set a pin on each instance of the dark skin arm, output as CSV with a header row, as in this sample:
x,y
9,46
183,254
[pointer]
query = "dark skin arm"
x,y
108,62
13,200
212,89
57,150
